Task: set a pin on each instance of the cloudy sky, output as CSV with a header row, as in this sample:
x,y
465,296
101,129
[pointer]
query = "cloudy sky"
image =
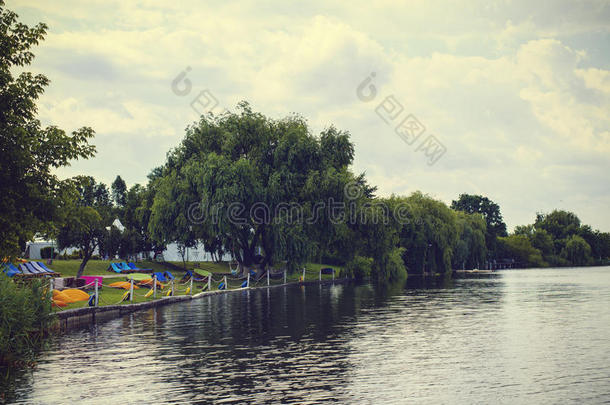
x,y
516,92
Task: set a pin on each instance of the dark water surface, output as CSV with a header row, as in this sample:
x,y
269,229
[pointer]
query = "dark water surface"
x,y
524,336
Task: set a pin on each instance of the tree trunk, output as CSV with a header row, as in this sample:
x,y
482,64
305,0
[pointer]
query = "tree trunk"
x,y
182,252
81,268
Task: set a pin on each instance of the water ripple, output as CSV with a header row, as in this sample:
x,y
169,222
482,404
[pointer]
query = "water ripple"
x,y
537,336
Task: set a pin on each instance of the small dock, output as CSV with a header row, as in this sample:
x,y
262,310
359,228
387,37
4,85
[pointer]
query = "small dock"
x,y
475,273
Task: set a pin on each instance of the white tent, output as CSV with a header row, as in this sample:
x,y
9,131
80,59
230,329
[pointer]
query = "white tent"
x,y
195,254
32,249
117,224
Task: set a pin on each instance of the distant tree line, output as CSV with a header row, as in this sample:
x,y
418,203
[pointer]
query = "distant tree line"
x,y
226,184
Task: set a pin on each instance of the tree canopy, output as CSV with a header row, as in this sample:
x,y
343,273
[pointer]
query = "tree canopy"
x,y
119,192
248,184
561,240
477,204
31,198
88,215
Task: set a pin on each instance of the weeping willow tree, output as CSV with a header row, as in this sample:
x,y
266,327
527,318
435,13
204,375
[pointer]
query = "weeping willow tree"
x,y
470,251
429,233
253,186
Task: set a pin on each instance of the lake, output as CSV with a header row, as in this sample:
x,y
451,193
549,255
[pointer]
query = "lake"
x,y
521,336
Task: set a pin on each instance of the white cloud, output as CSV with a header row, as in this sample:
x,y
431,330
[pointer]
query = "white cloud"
x,y
521,109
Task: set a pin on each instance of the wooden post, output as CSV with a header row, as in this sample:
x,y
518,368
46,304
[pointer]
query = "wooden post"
x,y
50,294
226,286
154,286
96,292
131,290
320,275
248,282
284,276
333,274
303,274
172,288
210,282
191,289
267,277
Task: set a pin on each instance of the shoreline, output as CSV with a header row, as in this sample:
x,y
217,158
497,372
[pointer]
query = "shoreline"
x,y
78,317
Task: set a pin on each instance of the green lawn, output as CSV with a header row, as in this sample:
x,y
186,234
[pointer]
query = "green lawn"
x,y
212,267
112,296
68,268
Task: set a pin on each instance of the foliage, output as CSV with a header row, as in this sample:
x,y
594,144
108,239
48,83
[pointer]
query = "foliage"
x,y
429,234
130,244
577,251
598,241
32,195
470,251
559,224
563,241
24,315
110,242
521,250
374,234
472,204
87,217
395,265
234,178
359,268
119,192
46,252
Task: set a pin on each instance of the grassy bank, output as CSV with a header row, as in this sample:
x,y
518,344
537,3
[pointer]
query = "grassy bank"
x,y
23,318
69,268
112,296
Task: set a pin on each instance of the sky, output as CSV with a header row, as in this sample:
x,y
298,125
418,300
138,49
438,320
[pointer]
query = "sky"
x,y
508,99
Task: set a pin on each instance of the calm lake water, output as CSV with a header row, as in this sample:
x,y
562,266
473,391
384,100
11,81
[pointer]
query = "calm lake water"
x,y
523,336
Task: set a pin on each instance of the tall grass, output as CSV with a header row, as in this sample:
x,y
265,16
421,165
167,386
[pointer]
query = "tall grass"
x,y
24,317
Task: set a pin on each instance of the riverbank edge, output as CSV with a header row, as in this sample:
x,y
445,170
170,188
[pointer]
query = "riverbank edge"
x,y
78,317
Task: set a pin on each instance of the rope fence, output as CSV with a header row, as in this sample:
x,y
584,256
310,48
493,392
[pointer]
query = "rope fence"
x,y
175,287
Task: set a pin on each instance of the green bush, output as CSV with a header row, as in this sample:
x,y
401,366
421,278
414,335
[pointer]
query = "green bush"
x,y
395,266
45,252
332,259
359,267
24,316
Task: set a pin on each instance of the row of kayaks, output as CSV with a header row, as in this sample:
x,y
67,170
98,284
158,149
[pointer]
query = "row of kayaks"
x,y
123,267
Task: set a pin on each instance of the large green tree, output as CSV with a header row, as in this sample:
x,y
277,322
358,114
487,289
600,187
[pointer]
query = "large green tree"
x,y
376,235
564,241
495,226
139,217
30,194
429,233
560,224
119,192
88,216
470,250
577,251
249,182
520,249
